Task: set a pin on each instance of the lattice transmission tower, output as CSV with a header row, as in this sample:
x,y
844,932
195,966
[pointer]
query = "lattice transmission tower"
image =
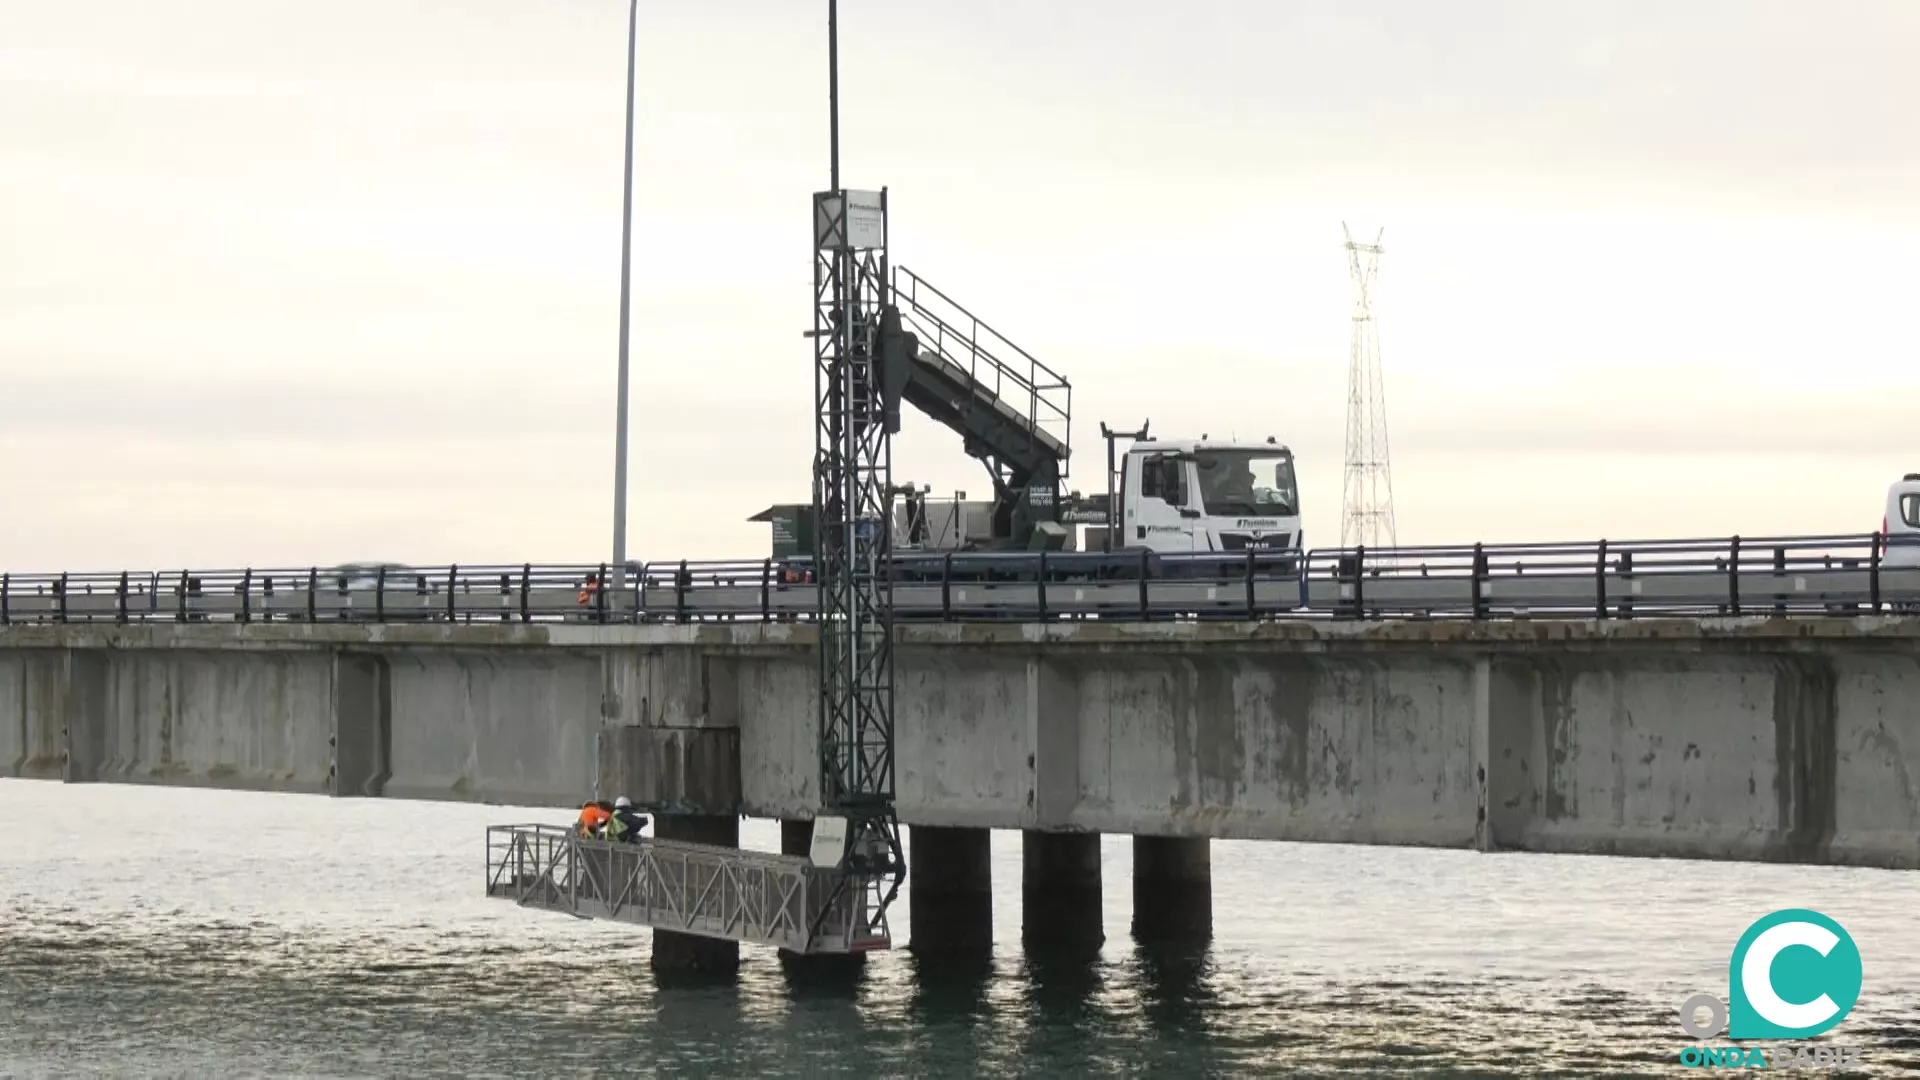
x,y
1366,514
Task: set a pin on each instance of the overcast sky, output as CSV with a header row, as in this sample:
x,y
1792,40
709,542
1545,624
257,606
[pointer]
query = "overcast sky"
x,y
304,283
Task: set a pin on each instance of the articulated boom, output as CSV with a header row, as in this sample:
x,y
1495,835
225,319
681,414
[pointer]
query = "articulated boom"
x,y
1013,413
856,395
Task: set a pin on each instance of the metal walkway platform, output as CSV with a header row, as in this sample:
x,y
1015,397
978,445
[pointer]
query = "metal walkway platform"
x,y
718,892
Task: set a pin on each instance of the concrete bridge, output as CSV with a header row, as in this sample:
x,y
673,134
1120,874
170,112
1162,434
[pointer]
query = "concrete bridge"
x,y
1759,738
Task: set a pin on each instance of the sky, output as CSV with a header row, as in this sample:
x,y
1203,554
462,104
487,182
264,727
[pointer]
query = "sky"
x,y
285,284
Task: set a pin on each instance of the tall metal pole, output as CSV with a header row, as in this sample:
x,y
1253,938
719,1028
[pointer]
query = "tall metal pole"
x,y
853,491
833,88
626,288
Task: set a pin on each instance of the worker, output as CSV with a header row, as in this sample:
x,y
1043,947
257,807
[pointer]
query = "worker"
x,y
588,588
615,828
592,820
632,821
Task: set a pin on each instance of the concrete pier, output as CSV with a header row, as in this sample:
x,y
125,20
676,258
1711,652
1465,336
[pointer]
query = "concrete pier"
x,y
816,969
950,892
1172,889
362,740
1060,892
685,955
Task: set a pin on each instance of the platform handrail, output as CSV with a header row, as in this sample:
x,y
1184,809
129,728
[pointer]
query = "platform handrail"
x,y
1045,393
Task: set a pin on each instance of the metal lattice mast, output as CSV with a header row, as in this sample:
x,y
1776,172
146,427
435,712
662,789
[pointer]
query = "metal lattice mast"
x,y
1366,515
853,493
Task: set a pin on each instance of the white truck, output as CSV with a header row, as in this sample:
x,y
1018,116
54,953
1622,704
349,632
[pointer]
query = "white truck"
x,y
1203,495
1169,496
1901,524
1166,496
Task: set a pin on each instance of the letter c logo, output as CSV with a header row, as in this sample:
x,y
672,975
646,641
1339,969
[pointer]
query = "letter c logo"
x,y
1756,974
1794,974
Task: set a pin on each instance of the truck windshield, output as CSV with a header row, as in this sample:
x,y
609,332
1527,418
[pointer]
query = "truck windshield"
x,y
1248,483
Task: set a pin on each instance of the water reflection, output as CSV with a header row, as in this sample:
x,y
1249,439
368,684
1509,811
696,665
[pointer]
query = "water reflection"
x,y
1173,985
1061,986
949,988
203,997
360,948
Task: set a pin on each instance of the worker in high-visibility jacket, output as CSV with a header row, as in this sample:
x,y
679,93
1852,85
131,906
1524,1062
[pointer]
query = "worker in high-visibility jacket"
x,y
592,820
615,829
588,589
631,821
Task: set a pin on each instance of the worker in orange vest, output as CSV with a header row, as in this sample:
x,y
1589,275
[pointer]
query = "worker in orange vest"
x,y
588,589
593,817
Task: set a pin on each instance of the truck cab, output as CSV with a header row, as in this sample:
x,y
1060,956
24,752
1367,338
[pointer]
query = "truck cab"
x,y
1201,495
1901,525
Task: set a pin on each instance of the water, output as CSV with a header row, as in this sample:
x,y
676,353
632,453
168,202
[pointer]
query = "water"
x,y
200,933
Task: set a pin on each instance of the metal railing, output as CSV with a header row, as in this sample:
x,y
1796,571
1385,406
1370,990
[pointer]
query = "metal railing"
x,y
1807,575
1040,396
1821,575
698,889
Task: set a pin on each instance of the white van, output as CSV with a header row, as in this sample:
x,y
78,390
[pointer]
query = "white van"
x,y
1901,526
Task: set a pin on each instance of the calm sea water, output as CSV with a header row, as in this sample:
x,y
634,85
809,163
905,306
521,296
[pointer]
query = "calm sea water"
x,y
196,933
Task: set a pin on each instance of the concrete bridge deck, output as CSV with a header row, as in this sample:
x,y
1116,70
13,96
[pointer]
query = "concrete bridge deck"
x,y
1753,738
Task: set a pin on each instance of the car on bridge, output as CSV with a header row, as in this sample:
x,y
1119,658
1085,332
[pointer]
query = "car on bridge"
x,y
405,593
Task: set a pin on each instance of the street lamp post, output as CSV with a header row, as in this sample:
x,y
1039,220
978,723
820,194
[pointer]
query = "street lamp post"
x,y
626,287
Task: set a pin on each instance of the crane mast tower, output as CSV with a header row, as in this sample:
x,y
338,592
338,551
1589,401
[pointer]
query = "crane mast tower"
x,y
857,376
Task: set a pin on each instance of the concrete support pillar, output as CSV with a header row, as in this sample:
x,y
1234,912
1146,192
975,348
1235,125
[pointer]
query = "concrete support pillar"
x,y
950,891
33,682
362,740
1060,891
1805,728
685,954
1172,888
1053,716
672,732
1508,722
85,684
816,970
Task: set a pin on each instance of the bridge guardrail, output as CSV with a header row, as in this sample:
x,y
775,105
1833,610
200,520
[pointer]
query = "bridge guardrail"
x,y
1833,575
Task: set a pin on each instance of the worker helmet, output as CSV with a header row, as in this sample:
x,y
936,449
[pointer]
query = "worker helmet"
x,y
622,803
